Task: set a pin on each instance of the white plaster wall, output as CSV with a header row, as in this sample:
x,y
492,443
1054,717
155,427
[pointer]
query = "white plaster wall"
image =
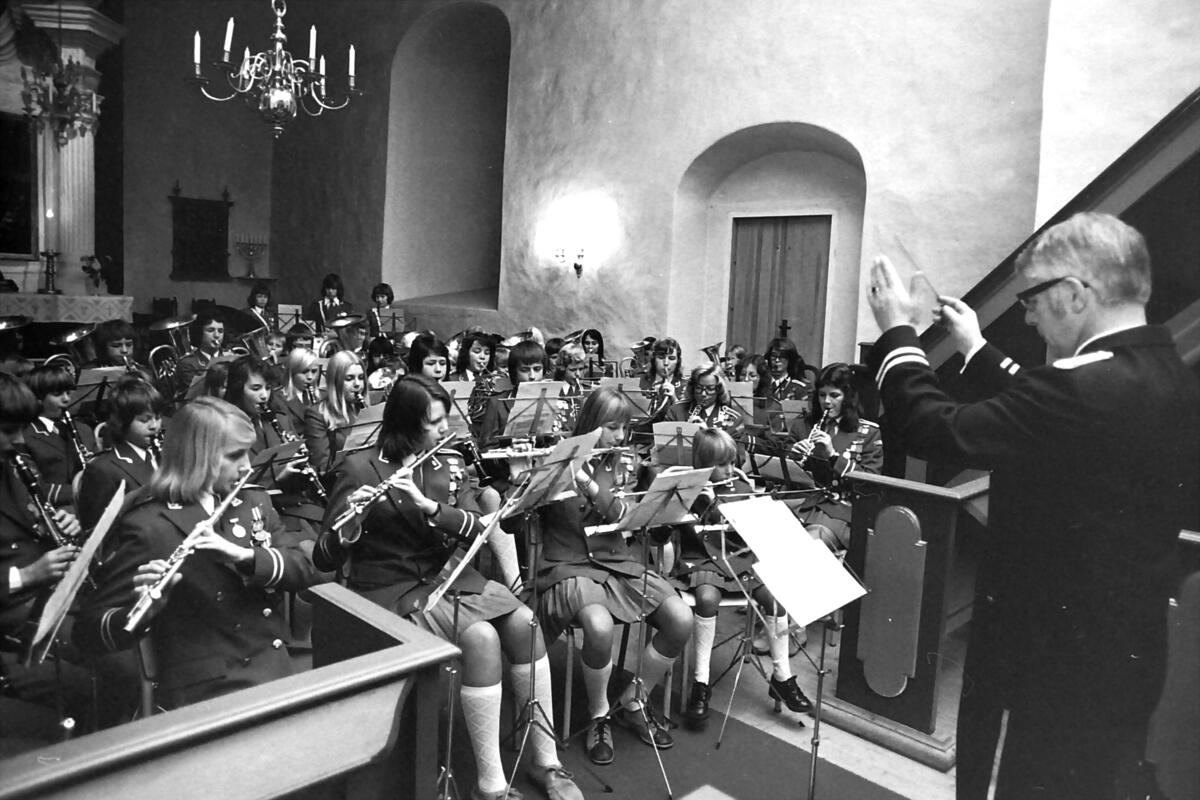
x,y
1113,70
941,99
785,184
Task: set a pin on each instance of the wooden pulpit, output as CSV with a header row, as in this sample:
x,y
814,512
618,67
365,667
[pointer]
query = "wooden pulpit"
x,y
903,547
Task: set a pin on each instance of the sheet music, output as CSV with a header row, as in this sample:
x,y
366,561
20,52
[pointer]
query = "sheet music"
x,y
631,388
460,395
800,571
673,443
364,431
64,594
668,501
533,411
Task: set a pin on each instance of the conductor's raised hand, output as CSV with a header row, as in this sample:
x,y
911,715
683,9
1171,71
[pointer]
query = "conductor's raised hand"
x,y
961,321
891,303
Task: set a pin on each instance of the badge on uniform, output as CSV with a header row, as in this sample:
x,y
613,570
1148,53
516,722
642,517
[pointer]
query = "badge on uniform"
x,y
258,527
236,528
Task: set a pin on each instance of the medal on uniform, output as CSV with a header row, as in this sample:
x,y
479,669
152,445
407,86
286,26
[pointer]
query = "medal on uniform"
x,y
258,527
236,529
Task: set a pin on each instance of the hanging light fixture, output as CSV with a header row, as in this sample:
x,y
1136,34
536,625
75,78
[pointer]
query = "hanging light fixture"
x,y
273,82
61,95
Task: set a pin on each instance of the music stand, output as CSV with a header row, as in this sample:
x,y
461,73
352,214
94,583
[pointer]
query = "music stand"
x,y
59,602
90,387
364,431
527,415
805,578
460,395
673,443
262,468
631,388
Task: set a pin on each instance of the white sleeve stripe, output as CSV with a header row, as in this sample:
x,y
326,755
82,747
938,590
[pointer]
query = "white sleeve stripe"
x,y
464,527
901,355
1014,369
276,566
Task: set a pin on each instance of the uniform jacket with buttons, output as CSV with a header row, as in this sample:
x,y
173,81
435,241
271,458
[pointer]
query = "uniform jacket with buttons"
x,y
102,477
567,551
222,628
396,557
1095,464
21,543
56,459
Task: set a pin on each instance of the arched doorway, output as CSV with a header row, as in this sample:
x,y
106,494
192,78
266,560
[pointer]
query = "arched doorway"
x,y
445,167
766,180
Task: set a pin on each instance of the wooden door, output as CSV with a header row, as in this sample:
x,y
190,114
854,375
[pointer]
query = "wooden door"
x,y
779,271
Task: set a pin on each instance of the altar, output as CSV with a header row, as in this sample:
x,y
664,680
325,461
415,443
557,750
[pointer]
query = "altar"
x,y
67,307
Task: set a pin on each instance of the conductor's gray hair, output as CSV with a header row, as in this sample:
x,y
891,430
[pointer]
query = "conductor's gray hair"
x,y
1100,249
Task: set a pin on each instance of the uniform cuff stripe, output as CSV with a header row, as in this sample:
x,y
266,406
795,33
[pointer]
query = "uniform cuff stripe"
x,y
901,355
106,630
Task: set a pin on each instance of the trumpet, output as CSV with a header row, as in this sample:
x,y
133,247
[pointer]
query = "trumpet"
x,y
175,560
379,490
268,413
23,466
82,451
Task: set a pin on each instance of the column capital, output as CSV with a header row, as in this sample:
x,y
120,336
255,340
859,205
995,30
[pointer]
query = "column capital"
x,y
84,28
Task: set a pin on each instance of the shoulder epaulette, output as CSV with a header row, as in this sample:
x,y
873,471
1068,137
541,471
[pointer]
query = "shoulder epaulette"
x,y
1083,359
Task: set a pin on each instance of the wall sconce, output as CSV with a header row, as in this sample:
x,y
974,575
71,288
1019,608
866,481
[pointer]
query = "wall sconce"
x,y
560,255
580,223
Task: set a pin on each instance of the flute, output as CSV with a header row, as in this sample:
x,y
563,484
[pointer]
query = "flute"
x,y
379,490
175,560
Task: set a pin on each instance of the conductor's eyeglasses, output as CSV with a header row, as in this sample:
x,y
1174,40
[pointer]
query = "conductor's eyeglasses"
x,y
1025,298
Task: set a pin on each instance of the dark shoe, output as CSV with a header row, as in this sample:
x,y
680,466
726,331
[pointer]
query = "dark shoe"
x,y
556,783
696,711
649,729
791,696
599,743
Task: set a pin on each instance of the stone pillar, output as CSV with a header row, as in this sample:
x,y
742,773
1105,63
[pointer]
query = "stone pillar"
x,y
68,172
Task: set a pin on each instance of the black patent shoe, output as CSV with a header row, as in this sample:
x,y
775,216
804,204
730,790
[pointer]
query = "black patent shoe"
x,y
696,711
790,695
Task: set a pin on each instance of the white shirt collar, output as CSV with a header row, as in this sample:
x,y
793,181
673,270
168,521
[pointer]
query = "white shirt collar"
x,y
51,425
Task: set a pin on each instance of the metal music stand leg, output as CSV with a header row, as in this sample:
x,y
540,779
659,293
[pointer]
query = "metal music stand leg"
x,y
532,713
447,788
743,654
831,625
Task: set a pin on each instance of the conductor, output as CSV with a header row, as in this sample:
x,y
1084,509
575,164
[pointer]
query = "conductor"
x,y
1095,459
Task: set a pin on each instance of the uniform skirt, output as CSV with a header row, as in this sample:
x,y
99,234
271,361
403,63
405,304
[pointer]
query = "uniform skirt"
x,y
625,597
493,602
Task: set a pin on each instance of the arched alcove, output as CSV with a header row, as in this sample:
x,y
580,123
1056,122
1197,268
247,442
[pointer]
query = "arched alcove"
x,y
445,163
781,169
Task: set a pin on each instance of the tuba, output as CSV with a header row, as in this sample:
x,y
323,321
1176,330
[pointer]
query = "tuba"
x,y
255,342
713,351
80,349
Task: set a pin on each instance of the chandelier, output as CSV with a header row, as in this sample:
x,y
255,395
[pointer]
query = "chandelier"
x,y
60,96
273,82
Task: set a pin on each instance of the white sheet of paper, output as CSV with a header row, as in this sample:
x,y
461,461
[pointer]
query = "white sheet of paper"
x,y
800,572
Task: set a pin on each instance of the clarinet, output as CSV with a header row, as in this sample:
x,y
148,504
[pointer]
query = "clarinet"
x,y
155,446
24,468
268,413
176,559
812,435
379,490
82,451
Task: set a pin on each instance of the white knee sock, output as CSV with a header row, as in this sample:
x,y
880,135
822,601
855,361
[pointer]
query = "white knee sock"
x,y
504,548
704,633
654,667
545,749
481,709
777,641
595,681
